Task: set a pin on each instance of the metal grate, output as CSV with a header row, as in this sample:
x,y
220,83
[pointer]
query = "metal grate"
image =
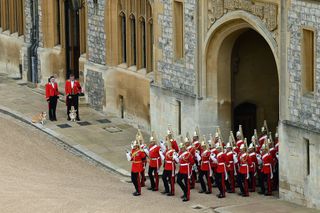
x,y
112,129
84,123
104,121
64,126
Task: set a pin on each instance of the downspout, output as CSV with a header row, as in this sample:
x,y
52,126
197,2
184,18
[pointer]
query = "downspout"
x,y
33,56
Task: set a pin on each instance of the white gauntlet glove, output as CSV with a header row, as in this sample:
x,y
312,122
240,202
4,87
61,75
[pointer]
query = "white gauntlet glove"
x,y
161,155
128,154
198,157
176,157
145,149
163,146
213,158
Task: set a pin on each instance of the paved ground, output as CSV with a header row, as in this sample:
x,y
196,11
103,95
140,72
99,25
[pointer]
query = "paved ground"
x,y
40,174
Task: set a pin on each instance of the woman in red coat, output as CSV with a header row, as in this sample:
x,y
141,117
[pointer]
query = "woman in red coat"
x,y
52,96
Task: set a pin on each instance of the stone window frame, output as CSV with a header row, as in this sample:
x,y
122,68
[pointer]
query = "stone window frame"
x,y
133,10
178,35
83,24
306,91
57,21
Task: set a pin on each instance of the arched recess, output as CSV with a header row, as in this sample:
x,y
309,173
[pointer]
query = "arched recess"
x,y
217,76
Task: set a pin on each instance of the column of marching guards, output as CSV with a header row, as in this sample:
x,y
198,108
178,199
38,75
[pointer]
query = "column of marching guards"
x,y
212,163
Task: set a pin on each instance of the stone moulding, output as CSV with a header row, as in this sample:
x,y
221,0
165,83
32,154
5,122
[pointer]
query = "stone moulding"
x,y
267,12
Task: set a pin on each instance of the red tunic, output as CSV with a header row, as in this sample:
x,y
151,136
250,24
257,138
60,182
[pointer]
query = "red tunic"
x,y
239,143
222,162
137,157
50,91
231,165
254,161
267,163
186,161
197,145
169,161
205,160
154,155
244,163
76,88
174,145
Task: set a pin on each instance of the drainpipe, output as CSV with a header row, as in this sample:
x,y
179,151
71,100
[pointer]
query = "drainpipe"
x,y
33,56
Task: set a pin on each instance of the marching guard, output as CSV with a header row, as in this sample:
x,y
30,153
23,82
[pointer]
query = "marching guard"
x,y
153,152
231,168
168,175
243,173
186,161
221,172
136,156
266,173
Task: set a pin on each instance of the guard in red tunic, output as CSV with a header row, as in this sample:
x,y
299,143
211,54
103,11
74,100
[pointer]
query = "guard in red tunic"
x,y
194,169
263,138
173,142
186,161
231,168
204,161
136,156
266,171
221,172
153,152
72,91
52,96
239,142
243,173
254,166
168,175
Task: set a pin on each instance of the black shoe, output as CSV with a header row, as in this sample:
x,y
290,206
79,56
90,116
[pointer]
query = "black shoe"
x,y
267,194
240,193
201,191
150,188
185,199
261,193
170,194
220,196
136,193
164,192
77,119
245,195
154,190
208,192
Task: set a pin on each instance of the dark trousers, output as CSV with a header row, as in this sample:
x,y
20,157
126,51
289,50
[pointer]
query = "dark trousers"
x,y
265,178
220,183
230,183
252,182
243,183
154,180
167,179
135,178
202,182
73,100
52,107
183,181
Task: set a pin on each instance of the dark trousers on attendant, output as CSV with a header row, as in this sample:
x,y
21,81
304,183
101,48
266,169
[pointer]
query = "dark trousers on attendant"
x,y
73,100
205,174
154,177
220,183
135,178
168,179
252,182
52,107
183,181
265,178
243,184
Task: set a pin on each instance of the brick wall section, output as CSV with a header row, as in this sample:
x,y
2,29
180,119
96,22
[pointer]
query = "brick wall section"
x,y
304,110
96,32
178,75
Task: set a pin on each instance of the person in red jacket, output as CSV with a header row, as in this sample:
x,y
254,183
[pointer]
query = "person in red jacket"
x,y
266,171
153,152
52,96
204,161
186,162
243,173
168,175
221,170
231,168
72,91
136,156
173,142
254,166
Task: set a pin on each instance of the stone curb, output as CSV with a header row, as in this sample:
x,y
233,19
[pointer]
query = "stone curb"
x,y
82,151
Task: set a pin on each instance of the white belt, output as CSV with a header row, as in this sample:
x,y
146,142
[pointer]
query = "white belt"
x,y
184,164
155,158
168,161
225,170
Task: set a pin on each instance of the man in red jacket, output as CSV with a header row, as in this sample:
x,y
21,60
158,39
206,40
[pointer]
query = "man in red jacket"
x,y
243,173
221,171
52,96
72,91
153,151
266,171
185,161
204,161
136,156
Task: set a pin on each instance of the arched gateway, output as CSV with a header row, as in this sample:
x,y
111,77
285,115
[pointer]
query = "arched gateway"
x,y
241,73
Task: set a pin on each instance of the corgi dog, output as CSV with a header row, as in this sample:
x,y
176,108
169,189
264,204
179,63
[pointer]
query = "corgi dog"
x,y
73,114
39,118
